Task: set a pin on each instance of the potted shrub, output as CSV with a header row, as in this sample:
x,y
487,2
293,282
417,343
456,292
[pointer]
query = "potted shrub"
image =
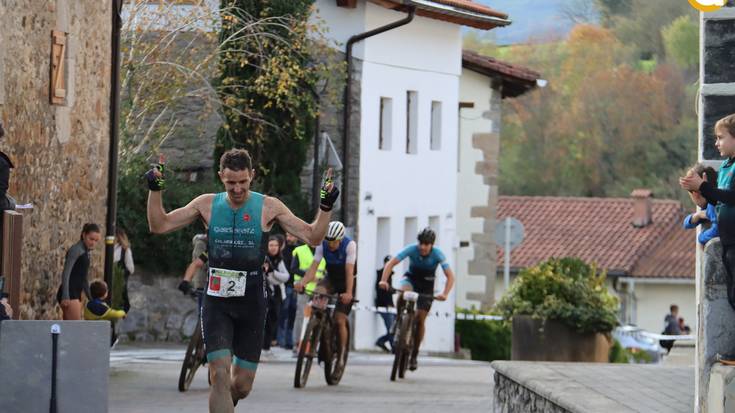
x,y
561,310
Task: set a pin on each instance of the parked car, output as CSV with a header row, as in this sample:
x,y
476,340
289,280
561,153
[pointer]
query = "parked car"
x,y
643,348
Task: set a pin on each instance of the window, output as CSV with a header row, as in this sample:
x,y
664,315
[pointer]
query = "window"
x,y
412,122
410,230
382,244
386,124
434,224
436,126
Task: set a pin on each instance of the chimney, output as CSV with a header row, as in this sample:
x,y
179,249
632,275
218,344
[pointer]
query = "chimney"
x,y
642,214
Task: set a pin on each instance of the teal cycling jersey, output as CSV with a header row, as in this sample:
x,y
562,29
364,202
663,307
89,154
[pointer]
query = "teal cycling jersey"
x,y
724,181
420,265
235,237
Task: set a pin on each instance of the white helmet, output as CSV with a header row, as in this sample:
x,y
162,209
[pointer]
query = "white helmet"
x,y
335,232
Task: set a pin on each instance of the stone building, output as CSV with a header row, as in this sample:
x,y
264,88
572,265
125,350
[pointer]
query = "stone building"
x,y
484,83
57,136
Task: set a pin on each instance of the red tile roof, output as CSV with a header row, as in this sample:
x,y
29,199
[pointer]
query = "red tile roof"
x,y
599,230
516,79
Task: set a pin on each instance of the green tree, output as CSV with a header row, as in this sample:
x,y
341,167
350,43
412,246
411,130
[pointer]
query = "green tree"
x,y
481,43
275,74
641,27
601,127
681,40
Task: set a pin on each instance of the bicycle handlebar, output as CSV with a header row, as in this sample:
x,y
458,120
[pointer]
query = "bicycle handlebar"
x,y
330,296
393,291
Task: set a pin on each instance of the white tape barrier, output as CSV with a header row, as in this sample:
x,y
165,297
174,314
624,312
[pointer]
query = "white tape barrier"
x,y
458,316
683,337
484,317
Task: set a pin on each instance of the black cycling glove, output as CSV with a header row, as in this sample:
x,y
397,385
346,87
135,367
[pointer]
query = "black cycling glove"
x,y
185,287
155,183
328,196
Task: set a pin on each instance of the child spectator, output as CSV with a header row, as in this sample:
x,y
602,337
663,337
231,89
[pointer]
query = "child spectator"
x,y
708,213
722,196
97,308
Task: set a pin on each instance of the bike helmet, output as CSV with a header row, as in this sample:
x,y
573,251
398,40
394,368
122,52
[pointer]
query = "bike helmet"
x,y
335,232
426,236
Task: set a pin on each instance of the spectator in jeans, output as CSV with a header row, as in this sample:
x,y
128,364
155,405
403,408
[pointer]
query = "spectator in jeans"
x,y
276,274
671,327
287,315
384,298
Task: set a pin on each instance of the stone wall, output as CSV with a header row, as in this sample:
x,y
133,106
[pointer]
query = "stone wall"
x,y
484,260
717,99
510,397
60,151
158,311
715,318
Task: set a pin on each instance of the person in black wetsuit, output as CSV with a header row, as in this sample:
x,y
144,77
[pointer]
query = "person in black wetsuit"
x,y
74,276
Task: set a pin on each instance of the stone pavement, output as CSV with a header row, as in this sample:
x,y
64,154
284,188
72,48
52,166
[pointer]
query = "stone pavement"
x,y
601,388
144,380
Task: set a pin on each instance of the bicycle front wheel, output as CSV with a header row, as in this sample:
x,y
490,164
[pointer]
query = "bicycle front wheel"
x,y
307,350
192,359
399,345
337,361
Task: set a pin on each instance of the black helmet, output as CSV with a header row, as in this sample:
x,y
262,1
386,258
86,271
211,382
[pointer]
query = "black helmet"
x,y
427,236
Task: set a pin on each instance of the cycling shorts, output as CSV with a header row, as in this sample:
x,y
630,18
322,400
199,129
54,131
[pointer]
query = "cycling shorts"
x,y
422,286
234,326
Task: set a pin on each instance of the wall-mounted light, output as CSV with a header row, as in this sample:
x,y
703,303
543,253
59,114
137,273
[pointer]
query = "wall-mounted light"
x,y
371,211
368,196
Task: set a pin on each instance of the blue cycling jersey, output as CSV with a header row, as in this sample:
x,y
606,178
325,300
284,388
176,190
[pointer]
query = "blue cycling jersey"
x,y
420,265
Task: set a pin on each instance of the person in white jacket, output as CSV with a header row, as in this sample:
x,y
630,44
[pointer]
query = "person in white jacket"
x,y
123,257
276,275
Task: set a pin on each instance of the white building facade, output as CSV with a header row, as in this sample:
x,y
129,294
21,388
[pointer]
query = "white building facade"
x,y
409,95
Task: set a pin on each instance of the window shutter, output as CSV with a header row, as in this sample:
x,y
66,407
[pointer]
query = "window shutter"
x,y
58,55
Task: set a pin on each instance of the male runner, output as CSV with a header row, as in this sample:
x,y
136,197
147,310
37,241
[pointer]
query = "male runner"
x,y
424,257
234,309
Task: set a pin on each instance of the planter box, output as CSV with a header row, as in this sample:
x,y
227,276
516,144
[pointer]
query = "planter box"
x,y
536,340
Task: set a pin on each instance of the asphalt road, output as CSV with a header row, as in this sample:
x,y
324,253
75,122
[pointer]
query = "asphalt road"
x,y
145,380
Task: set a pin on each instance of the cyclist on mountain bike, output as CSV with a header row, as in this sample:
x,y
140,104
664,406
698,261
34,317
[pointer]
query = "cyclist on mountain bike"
x,y
234,308
340,253
424,257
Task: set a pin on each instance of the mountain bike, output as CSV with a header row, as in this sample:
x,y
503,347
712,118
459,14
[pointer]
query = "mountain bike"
x,y
321,340
195,355
404,335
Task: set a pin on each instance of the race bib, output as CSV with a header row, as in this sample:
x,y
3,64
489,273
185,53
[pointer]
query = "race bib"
x,y
227,283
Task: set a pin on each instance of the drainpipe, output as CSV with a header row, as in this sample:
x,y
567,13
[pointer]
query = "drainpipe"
x,y
347,102
114,123
316,176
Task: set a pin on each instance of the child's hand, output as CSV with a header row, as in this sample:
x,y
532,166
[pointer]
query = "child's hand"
x,y
691,182
698,199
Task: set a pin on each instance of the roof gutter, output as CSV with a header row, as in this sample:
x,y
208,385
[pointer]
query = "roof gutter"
x,y
347,102
657,280
457,12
